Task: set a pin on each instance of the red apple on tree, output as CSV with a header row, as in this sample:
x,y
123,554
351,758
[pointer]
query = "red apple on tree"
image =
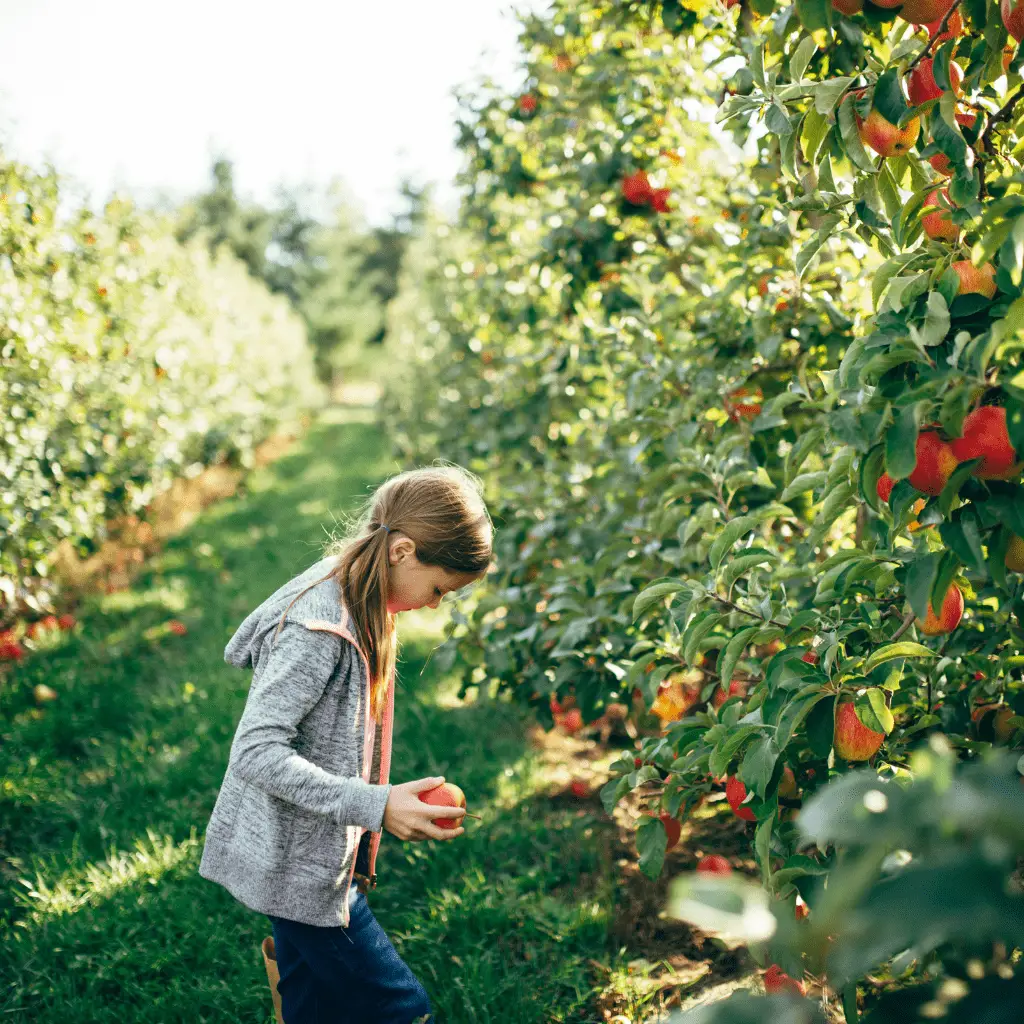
x,y
673,829
1015,554
921,12
922,87
743,404
737,688
985,435
936,460
992,721
980,280
954,27
936,222
885,138
1012,12
636,189
852,739
735,794
787,784
948,618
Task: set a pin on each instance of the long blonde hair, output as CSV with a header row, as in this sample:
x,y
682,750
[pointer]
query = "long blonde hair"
x,y
441,509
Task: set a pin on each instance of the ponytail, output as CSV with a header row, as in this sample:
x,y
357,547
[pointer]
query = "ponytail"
x,y
441,509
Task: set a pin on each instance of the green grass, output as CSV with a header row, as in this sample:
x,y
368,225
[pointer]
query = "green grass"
x,y
105,794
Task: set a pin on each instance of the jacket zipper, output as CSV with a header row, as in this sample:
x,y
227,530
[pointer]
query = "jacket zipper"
x,y
369,729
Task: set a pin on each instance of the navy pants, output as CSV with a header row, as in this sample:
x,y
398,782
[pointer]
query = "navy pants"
x,y
345,975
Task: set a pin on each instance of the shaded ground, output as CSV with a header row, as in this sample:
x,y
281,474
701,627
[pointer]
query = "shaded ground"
x,y
659,963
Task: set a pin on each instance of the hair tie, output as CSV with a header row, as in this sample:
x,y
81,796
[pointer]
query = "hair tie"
x,y
388,528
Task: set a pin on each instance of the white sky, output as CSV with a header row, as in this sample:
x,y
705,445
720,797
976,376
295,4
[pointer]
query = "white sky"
x,y
140,94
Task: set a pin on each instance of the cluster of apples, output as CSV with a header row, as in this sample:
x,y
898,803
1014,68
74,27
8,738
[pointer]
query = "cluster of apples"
x,y
10,645
985,436
888,139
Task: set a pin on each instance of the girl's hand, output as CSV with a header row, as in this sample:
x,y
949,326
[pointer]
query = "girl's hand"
x,y
408,817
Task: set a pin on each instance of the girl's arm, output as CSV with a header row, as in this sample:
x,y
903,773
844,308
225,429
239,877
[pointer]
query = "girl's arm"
x,y
286,689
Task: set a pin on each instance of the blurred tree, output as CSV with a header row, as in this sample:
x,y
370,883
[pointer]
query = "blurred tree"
x,y
312,246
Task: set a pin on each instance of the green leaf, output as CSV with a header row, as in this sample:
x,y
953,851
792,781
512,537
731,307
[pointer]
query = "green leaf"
x,y
810,248
949,566
732,532
813,132
872,466
651,843
757,66
650,596
872,710
743,563
793,717
900,649
826,96
962,536
763,845
920,577
699,627
733,650
814,14
888,97
801,58
804,482
851,137
758,763
821,727
936,322
901,442
718,762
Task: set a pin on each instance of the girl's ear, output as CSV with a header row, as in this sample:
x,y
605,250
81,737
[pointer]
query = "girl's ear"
x,y
403,547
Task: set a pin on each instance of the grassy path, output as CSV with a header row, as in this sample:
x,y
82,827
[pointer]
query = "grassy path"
x,y
104,796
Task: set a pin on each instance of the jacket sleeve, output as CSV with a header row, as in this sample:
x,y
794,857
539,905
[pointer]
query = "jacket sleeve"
x,y
287,687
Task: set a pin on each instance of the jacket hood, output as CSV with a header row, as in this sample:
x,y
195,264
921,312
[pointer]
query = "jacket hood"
x,y
320,603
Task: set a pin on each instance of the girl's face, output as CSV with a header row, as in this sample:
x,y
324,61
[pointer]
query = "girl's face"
x,y
412,584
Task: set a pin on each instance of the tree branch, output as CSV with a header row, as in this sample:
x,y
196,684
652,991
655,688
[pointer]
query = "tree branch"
x,y
753,615
904,626
931,42
983,147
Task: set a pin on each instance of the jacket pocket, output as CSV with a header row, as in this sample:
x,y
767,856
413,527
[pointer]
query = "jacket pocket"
x,y
316,839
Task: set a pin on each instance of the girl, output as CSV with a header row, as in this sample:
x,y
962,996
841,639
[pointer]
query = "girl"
x,y
297,823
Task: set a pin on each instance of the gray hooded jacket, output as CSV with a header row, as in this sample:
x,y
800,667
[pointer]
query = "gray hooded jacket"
x,y
300,811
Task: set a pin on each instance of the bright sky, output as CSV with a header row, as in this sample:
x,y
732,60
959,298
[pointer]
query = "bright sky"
x,y
141,94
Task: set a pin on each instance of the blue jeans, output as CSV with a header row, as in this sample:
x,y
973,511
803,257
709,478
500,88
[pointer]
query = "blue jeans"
x,y
345,975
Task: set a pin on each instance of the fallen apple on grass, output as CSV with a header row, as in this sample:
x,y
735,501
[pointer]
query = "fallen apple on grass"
x,y
714,864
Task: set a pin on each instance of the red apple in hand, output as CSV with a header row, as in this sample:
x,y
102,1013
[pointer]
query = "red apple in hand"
x,y
445,795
